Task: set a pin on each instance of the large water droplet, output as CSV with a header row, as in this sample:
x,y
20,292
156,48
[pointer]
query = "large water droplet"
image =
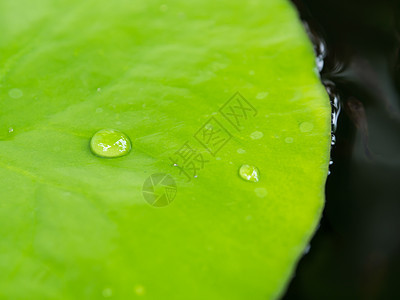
x,y
110,143
249,173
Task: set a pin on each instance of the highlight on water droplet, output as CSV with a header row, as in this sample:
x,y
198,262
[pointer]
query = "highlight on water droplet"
x,y
249,173
256,135
241,151
110,143
15,93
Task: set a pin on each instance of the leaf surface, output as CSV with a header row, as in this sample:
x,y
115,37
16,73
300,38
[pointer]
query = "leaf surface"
x,y
207,85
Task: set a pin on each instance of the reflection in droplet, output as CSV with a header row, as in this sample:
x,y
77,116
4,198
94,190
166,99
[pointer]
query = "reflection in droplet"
x,y
249,173
306,127
110,143
256,135
15,93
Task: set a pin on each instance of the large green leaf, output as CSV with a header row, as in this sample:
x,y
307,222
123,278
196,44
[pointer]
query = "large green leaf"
x,y
76,226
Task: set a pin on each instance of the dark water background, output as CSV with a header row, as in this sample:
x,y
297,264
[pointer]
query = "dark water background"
x,y
355,254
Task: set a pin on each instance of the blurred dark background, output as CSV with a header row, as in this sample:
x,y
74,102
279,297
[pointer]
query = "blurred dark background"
x,y
355,253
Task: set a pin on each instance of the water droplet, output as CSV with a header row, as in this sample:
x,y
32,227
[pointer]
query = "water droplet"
x,y
241,151
333,141
289,140
256,135
261,192
10,130
262,95
307,249
249,173
99,89
15,93
209,127
306,127
110,143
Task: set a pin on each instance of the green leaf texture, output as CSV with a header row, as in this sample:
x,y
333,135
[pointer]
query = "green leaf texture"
x,y
207,85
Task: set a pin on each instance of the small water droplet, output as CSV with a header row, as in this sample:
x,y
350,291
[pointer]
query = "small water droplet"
x,y
110,143
261,192
241,151
209,127
330,162
307,249
306,127
256,135
289,140
249,173
99,89
10,130
333,142
15,93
